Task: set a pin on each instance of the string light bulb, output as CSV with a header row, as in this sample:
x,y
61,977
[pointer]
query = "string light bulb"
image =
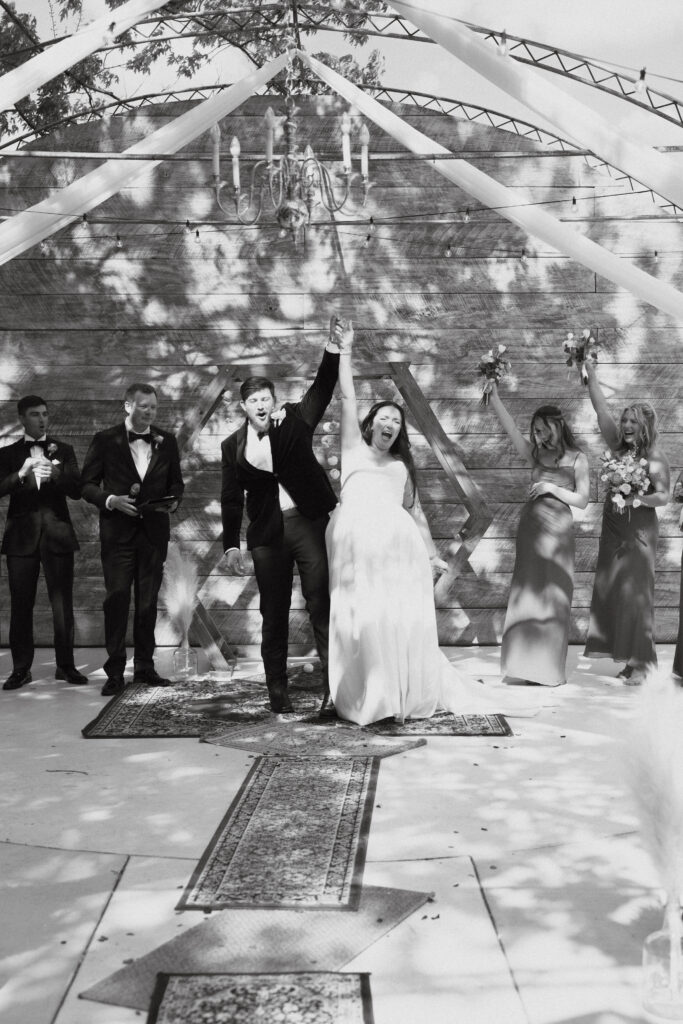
x,y
188,227
196,236
523,259
573,200
119,243
656,256
503,48
466,218
449,251
640,84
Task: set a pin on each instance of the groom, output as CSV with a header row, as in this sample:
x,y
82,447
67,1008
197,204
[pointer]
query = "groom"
x,y
289,498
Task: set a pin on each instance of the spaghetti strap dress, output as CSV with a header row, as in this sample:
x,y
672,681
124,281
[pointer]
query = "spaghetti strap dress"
x,y
622,606
536,631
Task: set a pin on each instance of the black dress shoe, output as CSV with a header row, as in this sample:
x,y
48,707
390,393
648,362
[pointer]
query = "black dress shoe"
x,y
279,700
71,675
327,708
17,679
150,677
113,686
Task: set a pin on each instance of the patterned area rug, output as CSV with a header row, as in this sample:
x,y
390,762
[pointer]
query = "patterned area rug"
x,y
251,940
445,724
304,998
188,709
294,836
310,737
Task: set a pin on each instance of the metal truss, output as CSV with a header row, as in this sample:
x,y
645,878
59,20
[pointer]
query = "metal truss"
x,y
393,26
427,101
187,24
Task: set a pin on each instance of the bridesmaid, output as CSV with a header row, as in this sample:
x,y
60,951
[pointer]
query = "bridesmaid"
x,y
536,632
678,655
622,607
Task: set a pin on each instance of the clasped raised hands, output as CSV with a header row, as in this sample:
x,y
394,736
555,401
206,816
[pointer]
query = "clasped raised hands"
x,y
341,334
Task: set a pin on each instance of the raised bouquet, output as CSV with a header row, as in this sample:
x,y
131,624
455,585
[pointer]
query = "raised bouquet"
x,y
577,352
493,366
626,477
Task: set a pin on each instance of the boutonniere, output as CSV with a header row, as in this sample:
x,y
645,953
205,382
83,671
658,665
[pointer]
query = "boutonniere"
x,y
157,441
51,451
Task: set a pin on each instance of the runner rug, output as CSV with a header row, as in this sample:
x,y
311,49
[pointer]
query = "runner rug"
x,y
308,997
190,708
445,724
261,940
294,836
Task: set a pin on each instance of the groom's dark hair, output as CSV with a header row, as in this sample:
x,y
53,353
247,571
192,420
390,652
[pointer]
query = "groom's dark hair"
x,y
252,384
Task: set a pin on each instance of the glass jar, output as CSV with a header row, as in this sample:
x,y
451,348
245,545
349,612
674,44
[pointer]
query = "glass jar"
x,y
185,663
662,991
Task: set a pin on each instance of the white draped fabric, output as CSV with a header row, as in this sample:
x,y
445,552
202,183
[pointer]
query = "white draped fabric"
x,y
57,58
573,119
28,228
492,194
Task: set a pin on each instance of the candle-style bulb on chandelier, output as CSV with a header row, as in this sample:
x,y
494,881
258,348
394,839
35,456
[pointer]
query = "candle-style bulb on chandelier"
x,y
289,186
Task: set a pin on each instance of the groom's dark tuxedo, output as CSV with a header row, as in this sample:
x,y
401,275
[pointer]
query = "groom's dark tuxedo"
x,y
276,539
39,530
133,549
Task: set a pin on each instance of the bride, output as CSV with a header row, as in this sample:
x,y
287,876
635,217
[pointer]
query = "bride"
x,y
384,657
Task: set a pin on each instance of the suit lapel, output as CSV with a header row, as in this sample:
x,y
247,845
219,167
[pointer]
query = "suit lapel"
x,y
155,455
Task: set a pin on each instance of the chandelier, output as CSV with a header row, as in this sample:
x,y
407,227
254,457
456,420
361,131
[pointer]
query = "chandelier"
x,y
291,185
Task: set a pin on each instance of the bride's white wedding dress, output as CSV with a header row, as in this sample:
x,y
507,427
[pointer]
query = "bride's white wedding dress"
x,y
384,657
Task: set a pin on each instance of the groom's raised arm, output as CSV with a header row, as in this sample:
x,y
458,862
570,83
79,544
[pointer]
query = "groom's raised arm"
x,y
312,406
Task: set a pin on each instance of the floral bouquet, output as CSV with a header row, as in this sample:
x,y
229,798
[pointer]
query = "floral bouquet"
x,y
493,366
578,352
626,476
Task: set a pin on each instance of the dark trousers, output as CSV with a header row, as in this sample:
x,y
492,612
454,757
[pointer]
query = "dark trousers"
x,y
303,542
139,565
22,576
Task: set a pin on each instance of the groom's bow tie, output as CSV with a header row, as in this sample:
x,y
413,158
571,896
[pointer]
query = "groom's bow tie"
x,y
35,444
261,434
132,436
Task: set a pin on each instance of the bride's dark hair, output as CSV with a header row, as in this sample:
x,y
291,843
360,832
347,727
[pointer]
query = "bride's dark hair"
x,y
400,449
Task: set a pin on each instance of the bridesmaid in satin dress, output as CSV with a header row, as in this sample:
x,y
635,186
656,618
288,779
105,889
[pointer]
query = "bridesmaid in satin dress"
x,y
622,607
536,631
678,655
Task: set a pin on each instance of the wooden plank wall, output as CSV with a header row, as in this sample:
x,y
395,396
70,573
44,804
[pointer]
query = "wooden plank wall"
x,y
83,317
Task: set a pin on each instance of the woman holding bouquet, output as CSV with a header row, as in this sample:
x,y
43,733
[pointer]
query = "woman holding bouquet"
x,y
622,607
384,650
536,632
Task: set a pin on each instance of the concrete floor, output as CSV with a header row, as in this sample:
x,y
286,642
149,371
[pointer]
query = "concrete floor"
x,y
543,894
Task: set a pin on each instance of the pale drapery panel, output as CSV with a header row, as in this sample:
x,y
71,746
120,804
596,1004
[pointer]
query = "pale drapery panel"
x,y
31,226
489,192
573,119
59,57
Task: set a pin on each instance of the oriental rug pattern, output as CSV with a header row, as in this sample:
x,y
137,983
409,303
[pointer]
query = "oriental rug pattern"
x,y
295,835
299,998
445,724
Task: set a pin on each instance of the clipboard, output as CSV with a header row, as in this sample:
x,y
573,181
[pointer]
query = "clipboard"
x,y
158,504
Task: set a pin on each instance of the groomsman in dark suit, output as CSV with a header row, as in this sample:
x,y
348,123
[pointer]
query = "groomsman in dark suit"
x,y
39,473
288,498
128,472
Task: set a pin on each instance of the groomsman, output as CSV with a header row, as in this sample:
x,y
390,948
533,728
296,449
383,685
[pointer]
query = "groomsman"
x,y
288,498
39,473
132,474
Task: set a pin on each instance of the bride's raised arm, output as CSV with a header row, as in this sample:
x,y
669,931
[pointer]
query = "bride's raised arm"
x,y
342,332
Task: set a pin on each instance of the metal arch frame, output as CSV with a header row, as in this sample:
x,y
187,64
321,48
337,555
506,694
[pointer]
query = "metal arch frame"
x,y
526,51
427,101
